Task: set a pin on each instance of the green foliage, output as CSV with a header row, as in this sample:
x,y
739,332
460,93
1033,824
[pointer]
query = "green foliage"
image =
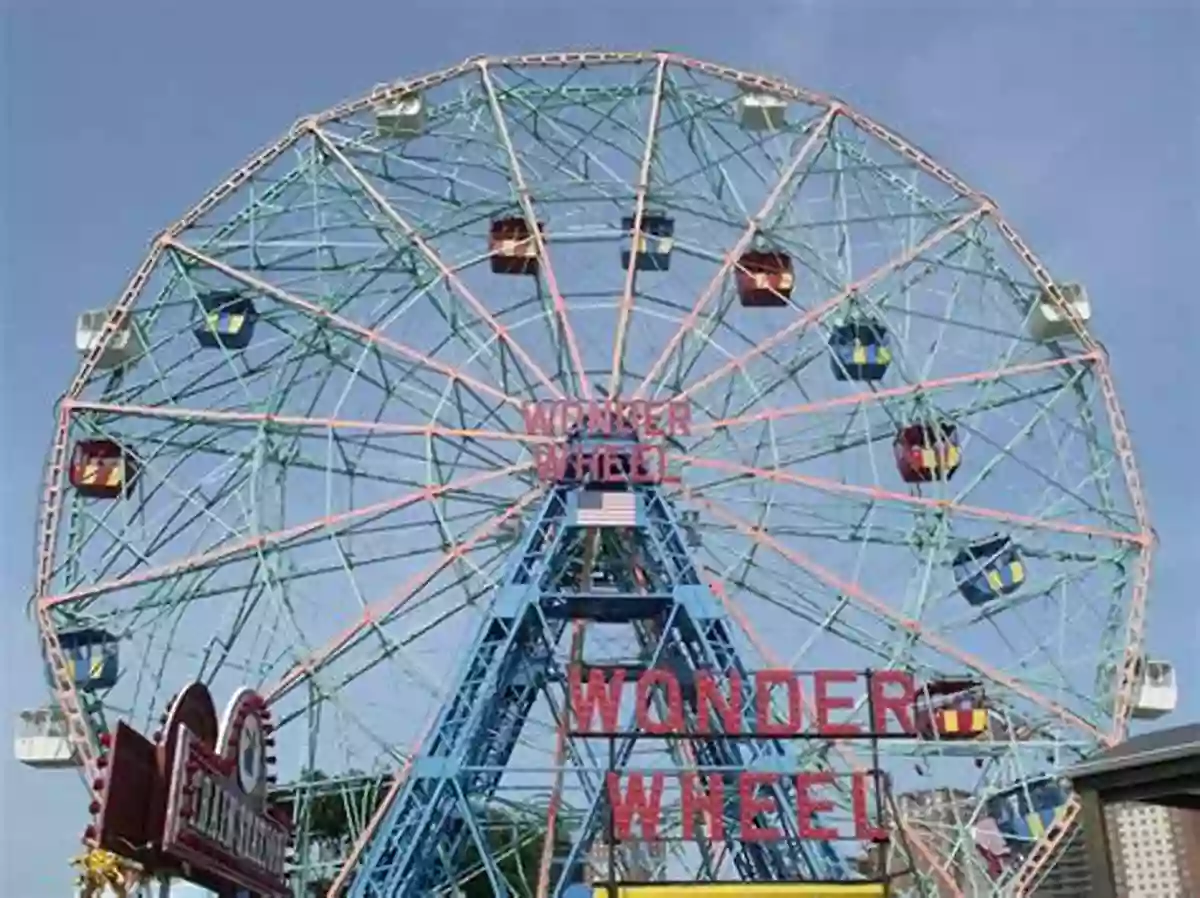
x,y
517,840
334,808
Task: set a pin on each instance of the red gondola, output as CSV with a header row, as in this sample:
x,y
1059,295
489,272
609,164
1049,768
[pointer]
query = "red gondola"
x,y
101,469
764,279
950,709
513,246
927,452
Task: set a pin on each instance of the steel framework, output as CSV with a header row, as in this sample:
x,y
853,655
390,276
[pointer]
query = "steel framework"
x,y
643,578
283,465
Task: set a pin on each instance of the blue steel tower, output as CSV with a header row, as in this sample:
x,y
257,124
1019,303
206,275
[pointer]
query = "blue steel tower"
x,y
609,553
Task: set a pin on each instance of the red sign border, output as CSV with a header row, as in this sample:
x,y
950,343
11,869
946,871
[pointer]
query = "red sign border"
x,y
179,838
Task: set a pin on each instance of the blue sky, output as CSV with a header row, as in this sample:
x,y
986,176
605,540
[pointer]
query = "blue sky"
x,y
1079,119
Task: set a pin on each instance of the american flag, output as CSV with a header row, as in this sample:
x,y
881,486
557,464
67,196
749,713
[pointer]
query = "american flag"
x,y
597,509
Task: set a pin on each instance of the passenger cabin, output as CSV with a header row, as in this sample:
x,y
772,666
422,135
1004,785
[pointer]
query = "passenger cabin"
x,y
653,243
762,112
226,321
927,452
764,279
950,709
859,351
1047,321
101,469
41,740
988,569
1023,813
401,118
1156,691
119,350
513,246
93,658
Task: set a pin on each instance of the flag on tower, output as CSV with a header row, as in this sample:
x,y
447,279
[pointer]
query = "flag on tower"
x,y
601,509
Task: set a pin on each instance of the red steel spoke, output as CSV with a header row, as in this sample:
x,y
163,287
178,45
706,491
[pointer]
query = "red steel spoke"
x,y
502,333
525,195
301,422
381,610
877,493
857,399
319,312
278,538
854,591
643,187
819,312
819,133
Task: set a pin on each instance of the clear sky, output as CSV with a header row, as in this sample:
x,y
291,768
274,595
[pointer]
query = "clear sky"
x,y
1080,119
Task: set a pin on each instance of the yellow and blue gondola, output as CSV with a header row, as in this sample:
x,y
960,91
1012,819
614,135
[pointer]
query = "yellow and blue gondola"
x,y
654,242
93,657
1026,812
859,351
989,569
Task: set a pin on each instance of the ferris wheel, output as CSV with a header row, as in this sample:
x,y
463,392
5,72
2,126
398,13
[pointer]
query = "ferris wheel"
x,y
297,456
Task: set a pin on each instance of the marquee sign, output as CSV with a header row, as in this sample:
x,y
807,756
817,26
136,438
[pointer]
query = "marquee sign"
x,y
218,820
193,803
770,705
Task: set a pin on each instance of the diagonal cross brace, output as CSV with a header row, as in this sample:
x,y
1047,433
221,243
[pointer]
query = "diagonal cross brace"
x,y
678,623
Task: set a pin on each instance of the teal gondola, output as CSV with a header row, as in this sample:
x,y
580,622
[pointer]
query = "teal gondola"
x,y
226,321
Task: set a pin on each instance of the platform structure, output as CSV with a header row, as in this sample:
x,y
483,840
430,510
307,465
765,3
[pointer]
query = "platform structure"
x,y
610,554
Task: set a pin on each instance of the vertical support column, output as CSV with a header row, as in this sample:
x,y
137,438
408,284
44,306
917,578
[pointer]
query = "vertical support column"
x,y
1095,834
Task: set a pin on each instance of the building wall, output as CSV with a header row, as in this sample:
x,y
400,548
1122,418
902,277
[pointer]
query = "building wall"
x,y
1155,851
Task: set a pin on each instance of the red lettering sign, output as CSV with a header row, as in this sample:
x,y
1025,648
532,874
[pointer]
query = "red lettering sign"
x,y
777,699
609,418
585,428
636,800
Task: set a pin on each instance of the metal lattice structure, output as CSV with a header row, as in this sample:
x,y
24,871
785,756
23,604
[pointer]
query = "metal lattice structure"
x,y
294,457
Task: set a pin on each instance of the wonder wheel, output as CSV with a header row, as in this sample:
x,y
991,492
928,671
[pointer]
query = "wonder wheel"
x,y
298,455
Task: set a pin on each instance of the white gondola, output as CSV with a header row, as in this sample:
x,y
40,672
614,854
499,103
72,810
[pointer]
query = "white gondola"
x,y
41,740
1156,692
117,352
404,117
1048,322
763,112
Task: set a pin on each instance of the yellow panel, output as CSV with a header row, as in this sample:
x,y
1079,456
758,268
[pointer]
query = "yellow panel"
x,y
747,890
1018,572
